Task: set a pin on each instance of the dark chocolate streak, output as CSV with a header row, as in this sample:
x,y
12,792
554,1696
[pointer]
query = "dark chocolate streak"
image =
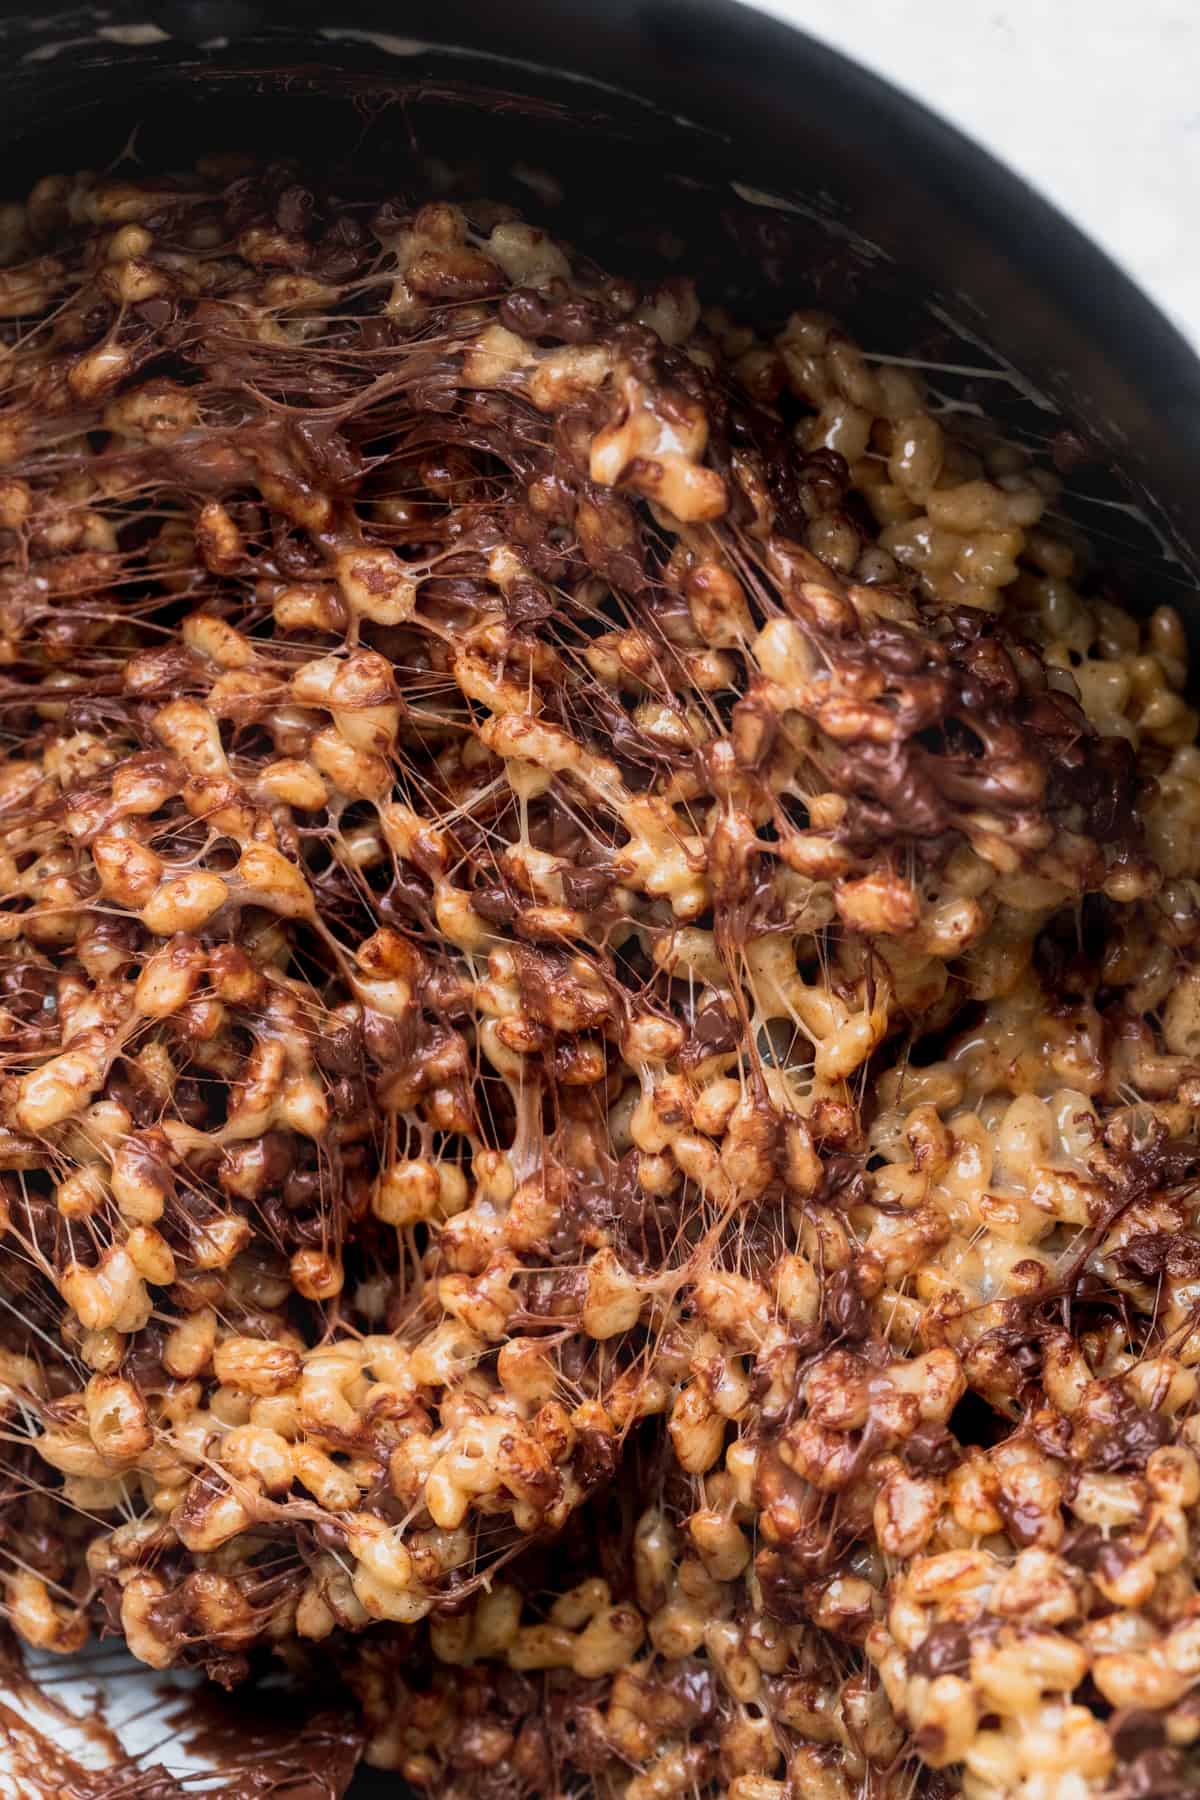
x,y
270,1747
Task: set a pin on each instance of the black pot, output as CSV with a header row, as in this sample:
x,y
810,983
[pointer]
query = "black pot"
x,y
689,134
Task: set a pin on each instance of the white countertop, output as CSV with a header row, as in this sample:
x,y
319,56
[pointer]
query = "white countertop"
x,y
1095,102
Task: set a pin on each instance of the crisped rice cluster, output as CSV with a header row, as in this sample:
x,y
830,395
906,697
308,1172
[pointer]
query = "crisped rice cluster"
x,y
601,1022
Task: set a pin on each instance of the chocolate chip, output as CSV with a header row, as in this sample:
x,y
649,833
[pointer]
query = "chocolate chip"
x,y
846,1311
944,1650
931,1450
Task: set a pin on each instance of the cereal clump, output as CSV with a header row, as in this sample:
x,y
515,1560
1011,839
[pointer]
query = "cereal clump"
x,y
600,1108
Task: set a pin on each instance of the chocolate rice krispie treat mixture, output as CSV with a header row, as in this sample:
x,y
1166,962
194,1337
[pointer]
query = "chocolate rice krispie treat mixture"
x,y
601,1022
